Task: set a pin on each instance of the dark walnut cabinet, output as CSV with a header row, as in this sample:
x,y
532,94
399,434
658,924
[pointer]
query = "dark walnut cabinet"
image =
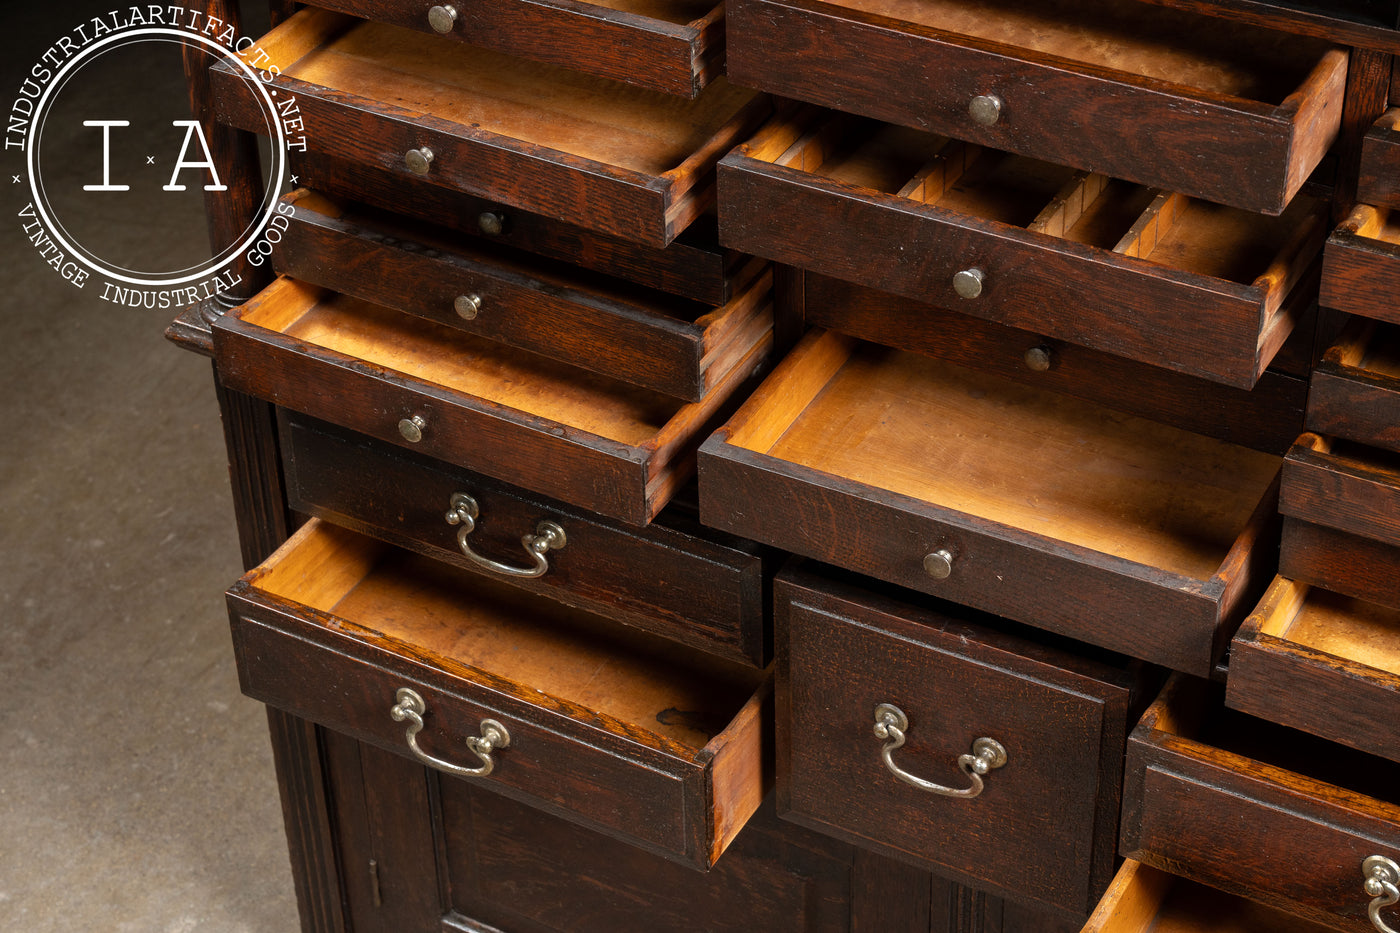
x,y
823,465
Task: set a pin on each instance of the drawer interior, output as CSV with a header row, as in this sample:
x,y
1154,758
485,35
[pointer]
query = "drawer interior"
x,y
474,365
1084,207
456,619
1116,484
679,12
593,118
1375,224
1335,625
1373,346
1222,58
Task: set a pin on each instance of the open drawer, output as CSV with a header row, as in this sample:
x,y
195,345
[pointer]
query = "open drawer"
x,y
1341,506
584,439
1039,825
1361,265
1321,662
602,155
1379,179
673,578
1136,536
1257,809
1356,387
1146,900
672,46
598,723
1222,111
1152,276
659,342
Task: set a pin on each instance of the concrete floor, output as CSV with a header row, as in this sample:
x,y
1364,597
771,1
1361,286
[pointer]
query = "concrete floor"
x,y
136,784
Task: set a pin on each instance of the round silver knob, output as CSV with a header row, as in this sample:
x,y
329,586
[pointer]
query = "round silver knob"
x,y
491,223
418,160
939,564
985,109
1038,358
412,428
442,18
968,283
467,306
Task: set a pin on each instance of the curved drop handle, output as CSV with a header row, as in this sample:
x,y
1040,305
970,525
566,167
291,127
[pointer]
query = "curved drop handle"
x,y
987,755
548,536
410,706
1383,884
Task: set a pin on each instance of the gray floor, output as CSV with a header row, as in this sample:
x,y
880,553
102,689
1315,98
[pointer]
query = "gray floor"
x,y
136,786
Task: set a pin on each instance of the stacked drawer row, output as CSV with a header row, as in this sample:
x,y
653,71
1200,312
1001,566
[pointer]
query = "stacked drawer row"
x,y
517,299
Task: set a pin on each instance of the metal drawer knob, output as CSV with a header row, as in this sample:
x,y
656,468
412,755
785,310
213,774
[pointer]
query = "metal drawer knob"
x,y
409,706
987,754
412,428
968,283
418,160
939,564
467,306
985,109
1383,884
442,18
463,511
491,223
1039,358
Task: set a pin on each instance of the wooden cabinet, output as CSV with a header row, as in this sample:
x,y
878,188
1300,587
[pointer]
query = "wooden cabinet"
x,y
580,343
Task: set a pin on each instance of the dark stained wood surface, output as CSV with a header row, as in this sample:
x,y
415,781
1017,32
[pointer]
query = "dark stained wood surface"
x,y
1063,721
1356,386
1182,320
1361,266
659,342
694,266
1252,154
1344,563
1368,87
1365,23
667,49
1379,173
1268,418
1294,841
672,578
1349,487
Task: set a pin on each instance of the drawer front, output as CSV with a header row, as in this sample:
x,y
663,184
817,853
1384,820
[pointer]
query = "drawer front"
x,y
1268,418
693,266
1346,487
371,93
1355,391
675,50
681,583
551,444
1344,563
1253,829
622,777
1379,176
678,348
1026,275
1250,154
1361,265
1042,827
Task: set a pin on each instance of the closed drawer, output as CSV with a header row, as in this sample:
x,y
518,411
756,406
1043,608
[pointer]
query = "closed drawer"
x,y
1042,826
564,433
1256,809
678,348
601,724
595,153
1361,265
1356,387
1155,277
672,46
1321,662
693,266
1221,111
673,578
1145,900
1379,176
1124,533
1269,417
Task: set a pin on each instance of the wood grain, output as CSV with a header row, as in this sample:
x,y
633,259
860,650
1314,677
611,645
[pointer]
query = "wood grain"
x,y
1356,386
1378,179
1361,265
